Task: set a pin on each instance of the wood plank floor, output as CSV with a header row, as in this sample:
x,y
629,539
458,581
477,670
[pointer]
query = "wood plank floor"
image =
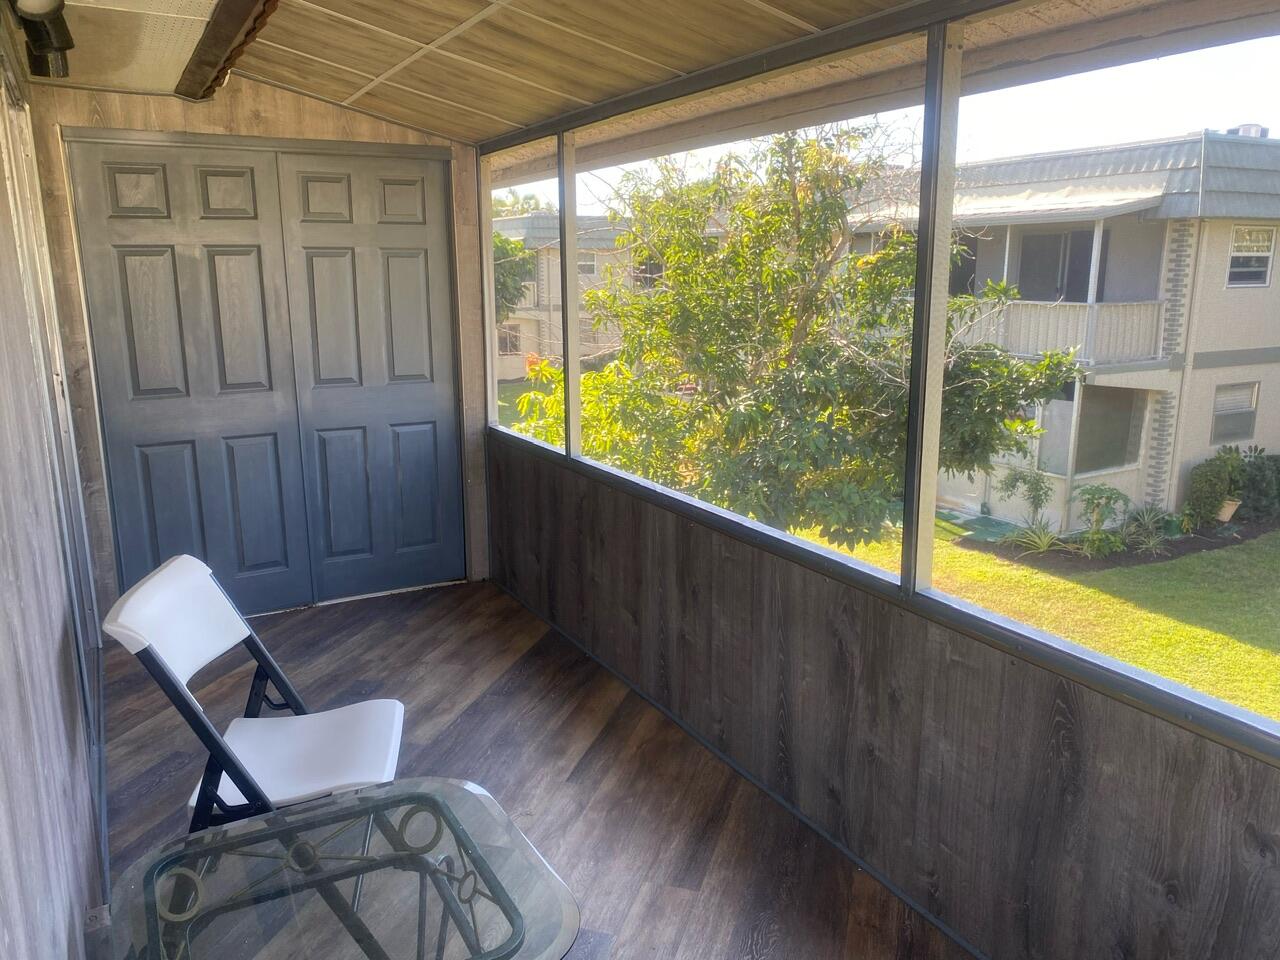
x,y
670,853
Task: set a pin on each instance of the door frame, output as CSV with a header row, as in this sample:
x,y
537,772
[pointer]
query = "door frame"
x,y
289,145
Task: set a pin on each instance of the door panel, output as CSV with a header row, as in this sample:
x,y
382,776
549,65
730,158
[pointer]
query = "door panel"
x,y
366,255
184,277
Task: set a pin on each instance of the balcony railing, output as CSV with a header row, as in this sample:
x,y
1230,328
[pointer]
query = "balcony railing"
x,y
1100,333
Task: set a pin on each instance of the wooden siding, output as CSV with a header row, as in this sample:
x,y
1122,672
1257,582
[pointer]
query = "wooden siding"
x,y
245,108
1034,816
48,837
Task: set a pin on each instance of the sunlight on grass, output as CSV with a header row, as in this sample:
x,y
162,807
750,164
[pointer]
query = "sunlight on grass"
x,y
1207,620
509,392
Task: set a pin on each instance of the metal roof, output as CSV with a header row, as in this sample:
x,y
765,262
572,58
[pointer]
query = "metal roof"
x,y
1199,175
542,229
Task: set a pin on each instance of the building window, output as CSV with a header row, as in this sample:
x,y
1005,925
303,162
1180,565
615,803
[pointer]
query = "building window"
x,y
587,264
1110,430
1055,266
646,271
508,339
1111,422
1251,251
1235,408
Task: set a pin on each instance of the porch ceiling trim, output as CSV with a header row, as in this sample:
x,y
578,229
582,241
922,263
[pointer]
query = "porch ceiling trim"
x,y
863,32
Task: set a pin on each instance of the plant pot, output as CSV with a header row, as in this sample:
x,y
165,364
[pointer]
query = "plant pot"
x,y
1228,509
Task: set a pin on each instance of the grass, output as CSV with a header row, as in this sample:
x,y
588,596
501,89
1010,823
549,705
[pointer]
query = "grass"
x,y
509,391
1208,620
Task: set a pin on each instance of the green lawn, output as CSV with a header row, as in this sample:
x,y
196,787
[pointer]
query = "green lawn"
x,y
1209,620
509,392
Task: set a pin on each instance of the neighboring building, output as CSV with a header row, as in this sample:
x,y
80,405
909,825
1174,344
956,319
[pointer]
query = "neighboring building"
x,y
534,328
1176,320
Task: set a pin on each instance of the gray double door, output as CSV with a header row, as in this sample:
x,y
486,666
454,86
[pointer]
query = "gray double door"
x,y
273,344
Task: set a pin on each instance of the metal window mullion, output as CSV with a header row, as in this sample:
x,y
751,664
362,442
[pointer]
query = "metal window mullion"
x,y
566,171
928,335
488,282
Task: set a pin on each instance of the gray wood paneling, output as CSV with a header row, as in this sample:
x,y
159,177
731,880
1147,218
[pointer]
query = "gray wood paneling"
x,y
1034,816
48,860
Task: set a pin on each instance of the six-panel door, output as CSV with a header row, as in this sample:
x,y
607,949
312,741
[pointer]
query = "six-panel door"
x,y
304,446
184,277
366,244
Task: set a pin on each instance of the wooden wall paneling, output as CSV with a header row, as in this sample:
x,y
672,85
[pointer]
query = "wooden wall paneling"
x,y
243,107
1031,815
468,297
48,825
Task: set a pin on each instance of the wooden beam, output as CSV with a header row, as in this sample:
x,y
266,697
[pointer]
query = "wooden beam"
x,y
232,25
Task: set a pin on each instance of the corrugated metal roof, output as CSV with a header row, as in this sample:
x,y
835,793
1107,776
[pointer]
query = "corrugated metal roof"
x,y
1199,175
542,229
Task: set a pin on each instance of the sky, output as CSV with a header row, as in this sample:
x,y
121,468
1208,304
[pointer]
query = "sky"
x,y
1214,88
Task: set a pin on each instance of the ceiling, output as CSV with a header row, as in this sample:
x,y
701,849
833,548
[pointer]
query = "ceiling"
x,y
140,45
474,69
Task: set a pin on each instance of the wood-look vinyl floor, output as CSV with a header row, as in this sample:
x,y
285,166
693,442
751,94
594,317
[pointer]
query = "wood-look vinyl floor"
x,y
670,853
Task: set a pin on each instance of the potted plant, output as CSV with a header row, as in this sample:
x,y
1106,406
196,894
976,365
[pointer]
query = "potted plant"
x,y
1234,461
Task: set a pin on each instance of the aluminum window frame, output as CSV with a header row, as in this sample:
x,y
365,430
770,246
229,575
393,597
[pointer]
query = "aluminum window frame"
x,y
1198,712
1214,437
1231,255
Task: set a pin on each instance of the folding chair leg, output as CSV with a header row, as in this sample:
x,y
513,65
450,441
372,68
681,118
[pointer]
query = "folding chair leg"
x,y
364,851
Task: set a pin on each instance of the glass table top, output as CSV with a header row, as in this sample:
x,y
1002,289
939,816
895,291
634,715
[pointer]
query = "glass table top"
x,y
420,869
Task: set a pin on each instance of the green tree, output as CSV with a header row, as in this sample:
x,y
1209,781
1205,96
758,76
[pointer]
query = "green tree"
x,y
513,204
767,369
513,264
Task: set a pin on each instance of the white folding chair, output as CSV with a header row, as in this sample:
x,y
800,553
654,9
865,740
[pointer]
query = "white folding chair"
x,y
176,620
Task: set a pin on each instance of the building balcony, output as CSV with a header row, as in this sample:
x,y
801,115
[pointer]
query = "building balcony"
x,y
1100,333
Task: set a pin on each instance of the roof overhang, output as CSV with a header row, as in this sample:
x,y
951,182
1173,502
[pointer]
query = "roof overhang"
x,y
507,74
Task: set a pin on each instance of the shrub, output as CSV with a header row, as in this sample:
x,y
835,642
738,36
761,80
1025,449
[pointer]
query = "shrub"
x,y
1144,531
1102,503
1097,543
1035,486
1037,537
1234,460
1260,486
1207,490
1147,520
1151,543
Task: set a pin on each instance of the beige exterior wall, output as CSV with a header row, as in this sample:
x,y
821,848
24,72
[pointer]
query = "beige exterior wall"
x,y
1196,420
967,496
1244,320
540,321
1230,318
